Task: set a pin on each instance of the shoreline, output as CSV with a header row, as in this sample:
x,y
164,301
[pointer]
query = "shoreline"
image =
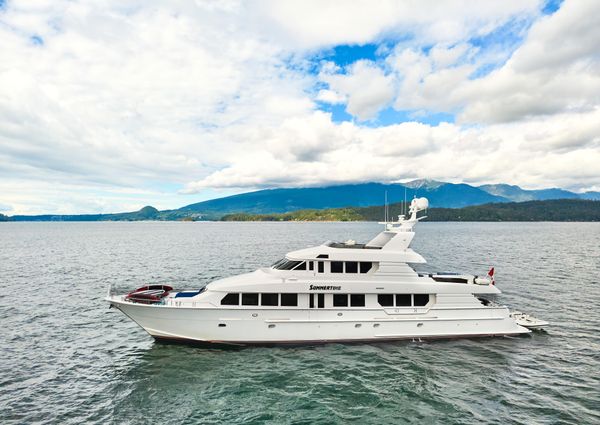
x,y
293,221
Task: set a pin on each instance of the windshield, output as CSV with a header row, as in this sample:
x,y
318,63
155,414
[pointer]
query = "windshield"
x,y
285,264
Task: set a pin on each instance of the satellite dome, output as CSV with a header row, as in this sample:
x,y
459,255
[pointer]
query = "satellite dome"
x,y
420,203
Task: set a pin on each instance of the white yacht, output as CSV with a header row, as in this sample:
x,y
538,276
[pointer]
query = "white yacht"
x,y
335,292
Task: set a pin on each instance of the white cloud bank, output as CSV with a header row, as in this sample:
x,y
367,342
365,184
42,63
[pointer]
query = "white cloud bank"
x,y
113,105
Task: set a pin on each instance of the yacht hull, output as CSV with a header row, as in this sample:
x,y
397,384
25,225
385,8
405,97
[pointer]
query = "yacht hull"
x,y
304,326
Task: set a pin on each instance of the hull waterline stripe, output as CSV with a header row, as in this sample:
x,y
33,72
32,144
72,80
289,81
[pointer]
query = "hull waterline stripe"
x,y
383,338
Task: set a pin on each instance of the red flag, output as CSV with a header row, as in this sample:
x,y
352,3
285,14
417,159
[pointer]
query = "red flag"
x,y
491,275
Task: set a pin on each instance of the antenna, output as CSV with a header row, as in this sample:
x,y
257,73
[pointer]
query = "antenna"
x,y
385,208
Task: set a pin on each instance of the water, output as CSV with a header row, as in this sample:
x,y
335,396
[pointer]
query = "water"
x,y
65,358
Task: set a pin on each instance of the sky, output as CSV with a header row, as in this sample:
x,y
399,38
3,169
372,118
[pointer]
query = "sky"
x,y
111,105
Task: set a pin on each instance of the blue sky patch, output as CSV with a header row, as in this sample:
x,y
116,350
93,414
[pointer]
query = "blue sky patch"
x,y
501,44
511,34
338,112
390,116
551,6
37,40
346,54
484,70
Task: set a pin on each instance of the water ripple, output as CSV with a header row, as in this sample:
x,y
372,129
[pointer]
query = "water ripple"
x,y
66,358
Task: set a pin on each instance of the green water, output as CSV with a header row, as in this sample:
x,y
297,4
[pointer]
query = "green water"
x,y
66,358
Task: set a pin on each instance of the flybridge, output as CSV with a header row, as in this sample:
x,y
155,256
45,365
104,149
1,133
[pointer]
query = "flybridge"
x,y
391,245
398,235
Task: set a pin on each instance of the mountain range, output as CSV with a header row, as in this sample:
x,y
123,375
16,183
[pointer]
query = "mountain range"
x,y
440,195
267,201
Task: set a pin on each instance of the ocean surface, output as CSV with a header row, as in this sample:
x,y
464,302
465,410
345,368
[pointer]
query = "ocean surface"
x,y
66,358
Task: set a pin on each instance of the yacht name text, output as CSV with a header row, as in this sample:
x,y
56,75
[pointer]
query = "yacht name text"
x,y
324,288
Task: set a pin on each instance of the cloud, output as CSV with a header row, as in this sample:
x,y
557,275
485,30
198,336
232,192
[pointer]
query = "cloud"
x,y
314,24
126,104
427,81
331,97
556,70
365,86
523,151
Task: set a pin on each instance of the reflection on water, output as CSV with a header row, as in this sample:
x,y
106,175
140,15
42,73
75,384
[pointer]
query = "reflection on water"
x,y
66,358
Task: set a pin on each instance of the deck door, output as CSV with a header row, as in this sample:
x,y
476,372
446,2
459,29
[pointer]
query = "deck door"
x,y
316,300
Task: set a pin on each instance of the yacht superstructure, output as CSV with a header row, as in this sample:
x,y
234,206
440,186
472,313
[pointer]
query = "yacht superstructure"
x,y
335,292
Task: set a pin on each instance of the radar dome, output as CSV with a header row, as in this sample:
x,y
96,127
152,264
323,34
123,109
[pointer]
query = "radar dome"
x,y
422,203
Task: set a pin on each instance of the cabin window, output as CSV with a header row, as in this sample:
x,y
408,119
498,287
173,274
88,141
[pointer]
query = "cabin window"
x,y
385,300
311,300
421,299
337,267
403,300
357,300
351,267
269,299
249,299
278,262
321,300
340,300
231,299
286,264
323,256
321,267
290,265
311,265
289,300
301,266
365,266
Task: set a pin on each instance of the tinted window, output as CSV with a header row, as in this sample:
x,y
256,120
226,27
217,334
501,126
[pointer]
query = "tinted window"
x,y
357,300
321,268
385,300
403,300
231,299
269,299
365,266
286,264
336,267
249,299
301,266
351,267
421,299
289,300
340,300
290,265
277,263
311,265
